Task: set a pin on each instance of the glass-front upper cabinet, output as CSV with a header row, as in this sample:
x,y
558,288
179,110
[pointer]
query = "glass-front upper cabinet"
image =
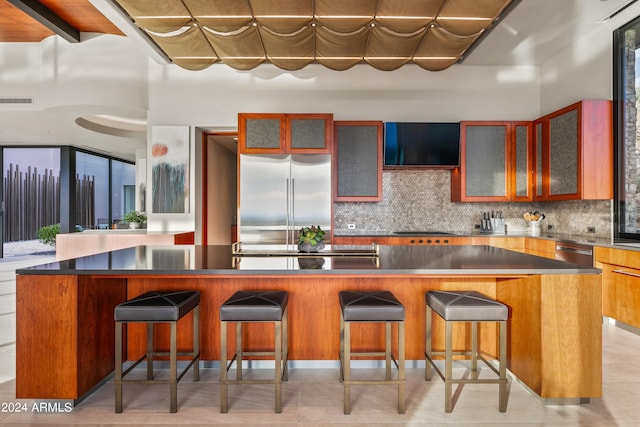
x,y
574,152
496,162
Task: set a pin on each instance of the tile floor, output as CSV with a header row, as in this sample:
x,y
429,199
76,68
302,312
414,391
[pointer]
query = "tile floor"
x,y
313,397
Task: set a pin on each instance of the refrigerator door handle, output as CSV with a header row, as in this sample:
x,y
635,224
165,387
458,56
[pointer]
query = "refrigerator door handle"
x,y
293,210
288,208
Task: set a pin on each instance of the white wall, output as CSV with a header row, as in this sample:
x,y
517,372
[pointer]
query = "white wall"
x,y
214,96
585,69
101,75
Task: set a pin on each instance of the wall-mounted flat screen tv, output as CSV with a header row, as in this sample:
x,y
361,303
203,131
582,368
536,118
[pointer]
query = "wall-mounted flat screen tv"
x,y
408,144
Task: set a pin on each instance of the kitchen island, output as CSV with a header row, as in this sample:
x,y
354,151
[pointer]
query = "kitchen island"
x,y
65,330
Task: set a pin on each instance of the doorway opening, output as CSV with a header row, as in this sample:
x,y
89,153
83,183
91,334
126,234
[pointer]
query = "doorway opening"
x,y
219,194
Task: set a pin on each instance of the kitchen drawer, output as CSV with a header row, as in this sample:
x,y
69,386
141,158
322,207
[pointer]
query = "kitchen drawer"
x,y
544,254
531,244
512,243
358,240
621,294
624,257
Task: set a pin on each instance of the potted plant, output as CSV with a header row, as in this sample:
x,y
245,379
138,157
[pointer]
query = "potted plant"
x,y
311,239
135,219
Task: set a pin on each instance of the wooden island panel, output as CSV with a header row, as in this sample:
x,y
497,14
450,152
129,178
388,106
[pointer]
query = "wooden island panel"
x,y
65,335
546,314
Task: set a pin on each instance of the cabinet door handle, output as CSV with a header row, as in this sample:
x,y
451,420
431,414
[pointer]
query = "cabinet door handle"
x,y
628,273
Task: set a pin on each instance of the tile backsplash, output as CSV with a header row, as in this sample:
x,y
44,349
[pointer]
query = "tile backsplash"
x,y
421,200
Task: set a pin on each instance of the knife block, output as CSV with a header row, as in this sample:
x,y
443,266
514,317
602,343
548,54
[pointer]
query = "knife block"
x,y
493,226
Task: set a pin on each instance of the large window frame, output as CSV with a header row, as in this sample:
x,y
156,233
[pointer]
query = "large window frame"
x,y
67,176
621,98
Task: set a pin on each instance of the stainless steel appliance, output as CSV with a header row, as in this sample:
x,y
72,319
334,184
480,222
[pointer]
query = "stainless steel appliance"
x,y
279,194
575,252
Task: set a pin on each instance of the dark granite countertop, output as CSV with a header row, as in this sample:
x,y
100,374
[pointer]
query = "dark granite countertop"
x,y
401,260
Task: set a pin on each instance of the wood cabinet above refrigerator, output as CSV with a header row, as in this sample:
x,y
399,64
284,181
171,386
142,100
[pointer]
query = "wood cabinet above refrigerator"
x,y
496,162
270,133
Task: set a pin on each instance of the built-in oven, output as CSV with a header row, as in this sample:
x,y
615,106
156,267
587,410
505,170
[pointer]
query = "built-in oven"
x,y
576,253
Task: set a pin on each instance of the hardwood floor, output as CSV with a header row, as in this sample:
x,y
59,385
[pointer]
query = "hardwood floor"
x,y
313,397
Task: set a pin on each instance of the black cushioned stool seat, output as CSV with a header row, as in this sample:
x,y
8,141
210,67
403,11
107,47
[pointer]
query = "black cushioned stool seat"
x,y
367,307
158,307
473,307
254,306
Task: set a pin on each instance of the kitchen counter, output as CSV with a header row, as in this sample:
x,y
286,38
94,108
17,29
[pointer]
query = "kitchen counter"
x,y
65,333
391,260
89,242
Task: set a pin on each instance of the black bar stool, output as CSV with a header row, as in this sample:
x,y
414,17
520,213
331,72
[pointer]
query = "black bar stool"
x,y
247,307
371,307
473,307
158,307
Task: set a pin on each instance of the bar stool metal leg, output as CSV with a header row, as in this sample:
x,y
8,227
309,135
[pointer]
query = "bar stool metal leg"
x,y
173,371
118,373
474,350
503,366
285,345
448,369
347,367
401,369
196,343
387,350
238,351
428,373
223,367
341,351
150,351
278,366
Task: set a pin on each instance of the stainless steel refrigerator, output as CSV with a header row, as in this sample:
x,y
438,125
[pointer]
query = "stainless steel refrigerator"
x,y
279,194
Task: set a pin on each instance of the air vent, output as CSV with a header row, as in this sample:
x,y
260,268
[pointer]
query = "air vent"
x,y
16,100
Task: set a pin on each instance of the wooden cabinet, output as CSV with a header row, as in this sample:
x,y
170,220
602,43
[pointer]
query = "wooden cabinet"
x,y
540,247
522,161
538,133
285,133
575,152
620,284
496,163
357,161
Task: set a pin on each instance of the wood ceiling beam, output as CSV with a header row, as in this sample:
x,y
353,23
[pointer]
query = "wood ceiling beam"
x,y
46,17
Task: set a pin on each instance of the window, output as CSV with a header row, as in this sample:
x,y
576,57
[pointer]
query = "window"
x,y
92,190
626,66
123,189
31,191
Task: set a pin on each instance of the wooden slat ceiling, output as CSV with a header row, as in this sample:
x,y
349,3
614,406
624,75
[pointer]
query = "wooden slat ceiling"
x,y
338,34
18,26
290,34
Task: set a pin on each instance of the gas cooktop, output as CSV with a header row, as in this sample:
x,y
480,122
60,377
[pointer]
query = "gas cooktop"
x,y
424,233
